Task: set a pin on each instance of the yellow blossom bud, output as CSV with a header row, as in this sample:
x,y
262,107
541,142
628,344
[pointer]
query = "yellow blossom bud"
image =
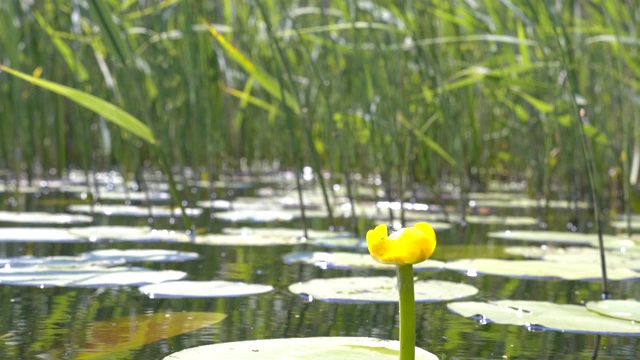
x,y
410,245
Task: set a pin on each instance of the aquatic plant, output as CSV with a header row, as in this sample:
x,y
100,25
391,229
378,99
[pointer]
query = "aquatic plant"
x,y
404,248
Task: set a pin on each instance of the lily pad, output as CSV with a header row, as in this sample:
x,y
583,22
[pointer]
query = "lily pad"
x,y
259,237
256,215
132,196
199,289
378,289
131,210
56,261
538,269
348,261
526,203
140,255
128,233
502,220
85,276
334,347
278,232
340,242
559,237
28,234
43,218
540,315
436,225
117,336
619,309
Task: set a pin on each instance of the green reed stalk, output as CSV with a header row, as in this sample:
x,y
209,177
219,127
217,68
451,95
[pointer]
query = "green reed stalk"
x,y
565,58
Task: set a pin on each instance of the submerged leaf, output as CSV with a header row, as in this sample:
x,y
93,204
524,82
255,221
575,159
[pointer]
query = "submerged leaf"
x,y
131,332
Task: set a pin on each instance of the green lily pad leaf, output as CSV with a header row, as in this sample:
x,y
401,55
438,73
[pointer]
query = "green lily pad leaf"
x,y
559,237
343,241
256,215
128,233
259,237
348,261
132,196
140,255
56,261
538,269
348,241
526,203
131,210
24,188
43,218
620,222
371,210
114,336
215,204
208,289
619,309
334,347
278,232
501,220
340,242
84,275
436,225
540,315
378,289
27,234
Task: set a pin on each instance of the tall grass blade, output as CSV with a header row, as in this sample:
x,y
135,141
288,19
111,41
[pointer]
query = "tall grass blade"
x,y
265,80
107,110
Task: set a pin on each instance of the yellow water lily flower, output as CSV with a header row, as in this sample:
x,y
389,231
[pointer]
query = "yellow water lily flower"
x,y
410,245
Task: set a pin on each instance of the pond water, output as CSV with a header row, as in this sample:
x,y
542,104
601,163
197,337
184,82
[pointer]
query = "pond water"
x,y
55,322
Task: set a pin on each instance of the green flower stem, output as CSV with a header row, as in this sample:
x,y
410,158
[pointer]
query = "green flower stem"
x,y
407,312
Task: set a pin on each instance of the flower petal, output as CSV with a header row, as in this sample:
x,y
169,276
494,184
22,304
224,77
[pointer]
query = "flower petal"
x,y
410,245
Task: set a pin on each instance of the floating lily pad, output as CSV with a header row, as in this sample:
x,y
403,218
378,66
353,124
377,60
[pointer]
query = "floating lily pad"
x,y
620,222
525,203
559,237
115,337
85,276
539,315
260,236
131,210
378,290
128,233
27,234
334,347
278,232
620,309
23,188
501,220
215,204
347,261
43,218
140,255
436,225
56,261
340,242
208,289
256,215
538,269
132,195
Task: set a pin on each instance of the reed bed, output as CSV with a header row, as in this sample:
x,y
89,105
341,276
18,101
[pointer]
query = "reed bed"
x,y
415,93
